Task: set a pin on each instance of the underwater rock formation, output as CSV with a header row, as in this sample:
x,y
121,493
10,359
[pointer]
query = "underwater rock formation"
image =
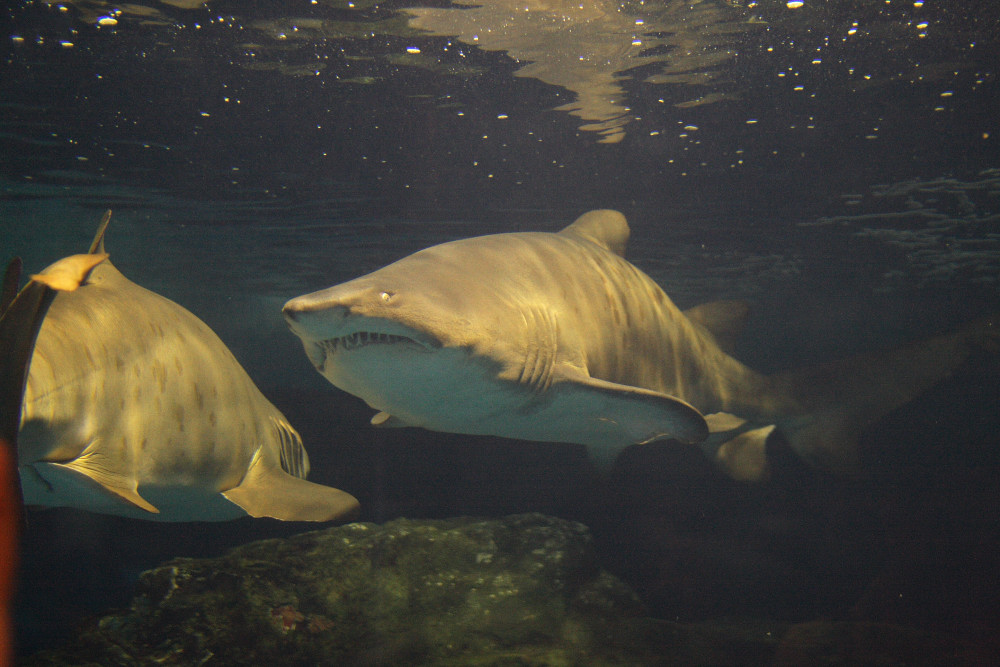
x,y
522,590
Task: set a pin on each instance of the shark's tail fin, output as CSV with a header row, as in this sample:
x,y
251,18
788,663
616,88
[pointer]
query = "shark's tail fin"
x,y
833,403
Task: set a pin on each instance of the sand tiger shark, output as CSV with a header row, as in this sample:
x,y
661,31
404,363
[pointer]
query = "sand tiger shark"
x,y
120,401
556,337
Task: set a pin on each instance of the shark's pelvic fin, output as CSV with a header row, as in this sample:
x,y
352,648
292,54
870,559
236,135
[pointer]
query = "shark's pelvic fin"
x,y
605,227
268,491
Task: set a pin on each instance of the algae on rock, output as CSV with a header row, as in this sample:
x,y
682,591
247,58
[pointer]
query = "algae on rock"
x,y
524,589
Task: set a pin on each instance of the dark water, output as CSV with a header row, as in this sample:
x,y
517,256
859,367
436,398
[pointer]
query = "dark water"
x,y
837,165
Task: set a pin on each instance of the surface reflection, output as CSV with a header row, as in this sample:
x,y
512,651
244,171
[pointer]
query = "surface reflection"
x,y
592,47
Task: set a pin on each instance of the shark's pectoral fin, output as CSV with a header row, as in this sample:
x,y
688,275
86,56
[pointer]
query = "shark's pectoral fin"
x,y
608,417
268,491
114,483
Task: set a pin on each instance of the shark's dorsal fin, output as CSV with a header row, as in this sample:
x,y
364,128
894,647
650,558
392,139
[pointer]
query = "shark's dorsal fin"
x,y
723,319
68,273
604,227
97,245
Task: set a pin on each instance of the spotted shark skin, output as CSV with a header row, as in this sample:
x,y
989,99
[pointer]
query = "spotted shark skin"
x,y
133,406
556,337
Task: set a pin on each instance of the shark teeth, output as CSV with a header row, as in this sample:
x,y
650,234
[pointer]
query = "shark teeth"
x,y
360,339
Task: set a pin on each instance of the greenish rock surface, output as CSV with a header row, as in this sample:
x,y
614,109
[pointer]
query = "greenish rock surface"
x,y
521,590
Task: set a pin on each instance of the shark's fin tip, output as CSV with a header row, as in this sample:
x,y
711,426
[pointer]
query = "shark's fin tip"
x,y
271,492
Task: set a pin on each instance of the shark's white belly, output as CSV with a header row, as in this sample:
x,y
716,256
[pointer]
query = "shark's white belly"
x,y
452,391
443,390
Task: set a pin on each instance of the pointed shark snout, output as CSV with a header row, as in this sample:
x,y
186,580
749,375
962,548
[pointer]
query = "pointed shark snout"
x,y
350,308
300,310
322,314
310,318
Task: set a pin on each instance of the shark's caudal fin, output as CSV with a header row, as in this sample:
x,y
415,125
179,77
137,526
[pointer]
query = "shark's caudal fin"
x,y
837,401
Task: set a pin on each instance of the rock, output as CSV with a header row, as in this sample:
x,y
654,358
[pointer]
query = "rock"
x,y
522,590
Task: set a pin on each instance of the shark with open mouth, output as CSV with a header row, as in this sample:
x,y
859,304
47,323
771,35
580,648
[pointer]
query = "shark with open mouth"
x,y
556,337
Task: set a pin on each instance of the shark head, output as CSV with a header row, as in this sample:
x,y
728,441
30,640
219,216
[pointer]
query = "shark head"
x,y
420,340
368,312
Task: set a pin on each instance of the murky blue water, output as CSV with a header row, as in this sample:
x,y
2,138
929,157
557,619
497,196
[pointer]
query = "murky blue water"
x,y
836,165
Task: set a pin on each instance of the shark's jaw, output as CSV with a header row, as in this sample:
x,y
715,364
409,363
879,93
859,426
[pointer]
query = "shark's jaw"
x,y
359,339
410,374
362,340
381,360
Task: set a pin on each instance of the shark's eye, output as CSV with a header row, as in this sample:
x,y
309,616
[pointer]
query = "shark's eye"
x,y
386,296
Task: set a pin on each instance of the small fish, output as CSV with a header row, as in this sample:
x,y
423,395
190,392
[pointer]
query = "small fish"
x,y
122,402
